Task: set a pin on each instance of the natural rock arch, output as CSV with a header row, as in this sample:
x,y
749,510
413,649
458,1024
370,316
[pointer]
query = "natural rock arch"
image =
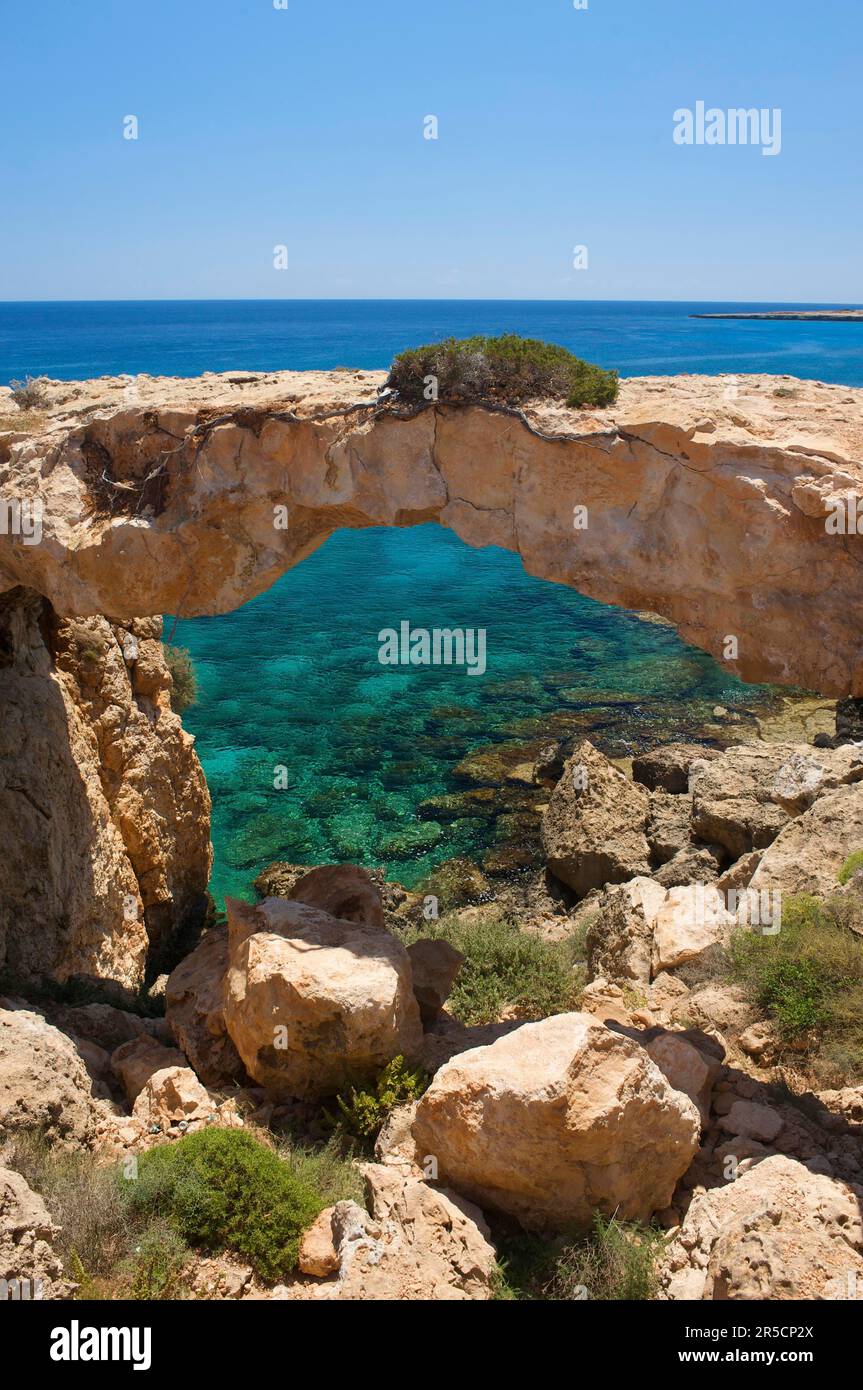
x,y
705,500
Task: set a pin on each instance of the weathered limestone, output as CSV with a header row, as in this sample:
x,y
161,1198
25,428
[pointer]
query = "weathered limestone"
x,y
556,1120
44,1082
313,1003
195,1011
778,1231
593,831
105,812
28,1264
699,506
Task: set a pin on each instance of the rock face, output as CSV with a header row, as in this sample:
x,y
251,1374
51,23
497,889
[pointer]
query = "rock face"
x,y
807,856
778,1231
593,832
44,1083
556,1120
105,811
160,496
313,1003
639,929
29,1268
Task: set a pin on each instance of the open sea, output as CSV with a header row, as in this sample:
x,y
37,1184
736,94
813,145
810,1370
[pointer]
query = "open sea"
x,y
381,762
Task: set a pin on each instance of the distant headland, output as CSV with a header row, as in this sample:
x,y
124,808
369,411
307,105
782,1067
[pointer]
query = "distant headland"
x,y
814,315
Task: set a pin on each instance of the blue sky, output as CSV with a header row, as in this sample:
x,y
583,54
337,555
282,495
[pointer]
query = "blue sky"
x,y
304,127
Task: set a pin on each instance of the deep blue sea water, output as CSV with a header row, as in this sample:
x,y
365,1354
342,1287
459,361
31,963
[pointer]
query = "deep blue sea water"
x,y
293,679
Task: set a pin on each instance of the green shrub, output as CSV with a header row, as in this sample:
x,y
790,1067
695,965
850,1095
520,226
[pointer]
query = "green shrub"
x,y
155,1271
505,370
851,865
31,393
221,1189
809,979
505,970
363,1112
184,684
614,1261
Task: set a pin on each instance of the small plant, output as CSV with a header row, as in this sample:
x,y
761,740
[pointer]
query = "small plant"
x,y
184,684
809,979
614,1261
155,1269
506,370
362,1112
505,971
851,865
31,393
221,1189
785,392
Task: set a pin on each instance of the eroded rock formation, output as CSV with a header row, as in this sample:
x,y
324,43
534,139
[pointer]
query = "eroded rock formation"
x,y
704,500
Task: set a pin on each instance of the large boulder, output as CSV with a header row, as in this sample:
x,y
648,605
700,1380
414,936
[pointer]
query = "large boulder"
x,y
313,1003
434,967
555,1121
778,1231
195,1011
44,1080
29,1268
593,831
344,891
619,940
134,1062
809,853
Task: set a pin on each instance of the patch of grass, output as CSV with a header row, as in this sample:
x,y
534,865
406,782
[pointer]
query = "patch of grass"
x,y
809,979
506,370
326,1169
615,1261
184,684
25,422
221,1189
851,865
31,393
361,1113
505,971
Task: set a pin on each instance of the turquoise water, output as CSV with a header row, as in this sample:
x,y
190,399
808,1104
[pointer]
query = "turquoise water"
x,y
293,681
372,755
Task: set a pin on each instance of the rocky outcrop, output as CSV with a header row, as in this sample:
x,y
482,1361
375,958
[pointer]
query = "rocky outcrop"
x,y
593,831
162,495
44,1081
778,1231
29,1267
312,1003
555,1121
639,929
809,853
416,1242
105,811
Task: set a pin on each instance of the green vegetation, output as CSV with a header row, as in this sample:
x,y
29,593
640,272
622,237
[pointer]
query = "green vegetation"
x,y
614,1261
222,1189
505,971
851,865
31,393
184,684
216,1189
809,979
506,370
362,1112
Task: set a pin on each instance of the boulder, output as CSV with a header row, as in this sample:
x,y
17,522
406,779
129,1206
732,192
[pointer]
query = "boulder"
x,y
555,1121
690,1062
170,1096
619,940
594,834
344,891
692,927
419,1243
107,1026
314,1003
133,1063
667,768
29,1268
751,1120
434,967
809,853
668,825
195,1011
318,1256
777,1232
734,803
692,864
44,1081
